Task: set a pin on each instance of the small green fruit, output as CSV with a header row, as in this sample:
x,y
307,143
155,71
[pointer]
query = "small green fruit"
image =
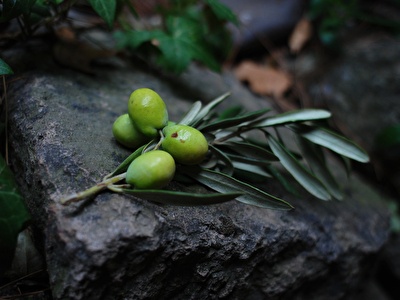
x,y
151,170
125,132
148,111
186,144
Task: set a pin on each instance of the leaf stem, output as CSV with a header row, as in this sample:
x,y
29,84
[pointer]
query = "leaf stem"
x,y
75,197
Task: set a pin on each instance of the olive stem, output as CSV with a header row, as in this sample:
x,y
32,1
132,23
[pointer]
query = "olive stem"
x,y
162,137
75,197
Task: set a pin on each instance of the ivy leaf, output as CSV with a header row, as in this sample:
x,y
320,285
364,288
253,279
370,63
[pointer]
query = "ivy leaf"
x,y
106,10
223,12
298,171
223,183
181,42
5,69
14,215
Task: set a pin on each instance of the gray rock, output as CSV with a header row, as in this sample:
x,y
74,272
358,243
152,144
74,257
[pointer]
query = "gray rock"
x,y
360,85
121,247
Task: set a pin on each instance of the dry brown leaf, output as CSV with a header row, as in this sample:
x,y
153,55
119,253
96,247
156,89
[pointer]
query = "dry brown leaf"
x,y
301,34
264,80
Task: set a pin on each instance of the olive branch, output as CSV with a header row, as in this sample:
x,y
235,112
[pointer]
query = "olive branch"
x,y
236,159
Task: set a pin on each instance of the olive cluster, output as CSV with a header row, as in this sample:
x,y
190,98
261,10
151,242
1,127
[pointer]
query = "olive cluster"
x,y
147,120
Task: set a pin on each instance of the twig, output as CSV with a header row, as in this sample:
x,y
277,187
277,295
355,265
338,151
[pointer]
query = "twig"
x,y
75,197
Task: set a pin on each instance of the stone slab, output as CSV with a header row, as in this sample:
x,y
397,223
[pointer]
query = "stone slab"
x,y
121,247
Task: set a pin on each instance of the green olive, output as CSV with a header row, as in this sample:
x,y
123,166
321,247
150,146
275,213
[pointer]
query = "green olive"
x,y
186,144
151,170
125,132
148,111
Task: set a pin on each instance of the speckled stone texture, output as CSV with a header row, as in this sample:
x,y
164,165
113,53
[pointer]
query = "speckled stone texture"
x,y
121,247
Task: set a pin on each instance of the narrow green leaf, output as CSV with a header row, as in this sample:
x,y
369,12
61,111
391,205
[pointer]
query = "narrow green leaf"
x,y
288,186
315,159
221,156
332,141
208,108
14,215
182,198
230,112
106,10
5,69
253,169
125,164
225,184
234,121
247,160
250,151
292,117
192,113
298,171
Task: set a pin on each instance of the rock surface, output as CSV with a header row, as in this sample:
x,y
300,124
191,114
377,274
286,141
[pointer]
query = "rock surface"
x,y
361,88
121,247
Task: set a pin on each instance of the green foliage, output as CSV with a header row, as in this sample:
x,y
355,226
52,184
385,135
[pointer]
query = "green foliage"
x,y
388,137
332,16
13,215
190,30
5,69
106,10
14,8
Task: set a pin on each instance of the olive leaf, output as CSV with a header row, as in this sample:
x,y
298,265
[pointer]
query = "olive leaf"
x,y
252,172
292,117
191,114
223,183
224,158
315,158
234,121
311,183
288,186
332,141
207,109
125,164
230,112
249,150
182,198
